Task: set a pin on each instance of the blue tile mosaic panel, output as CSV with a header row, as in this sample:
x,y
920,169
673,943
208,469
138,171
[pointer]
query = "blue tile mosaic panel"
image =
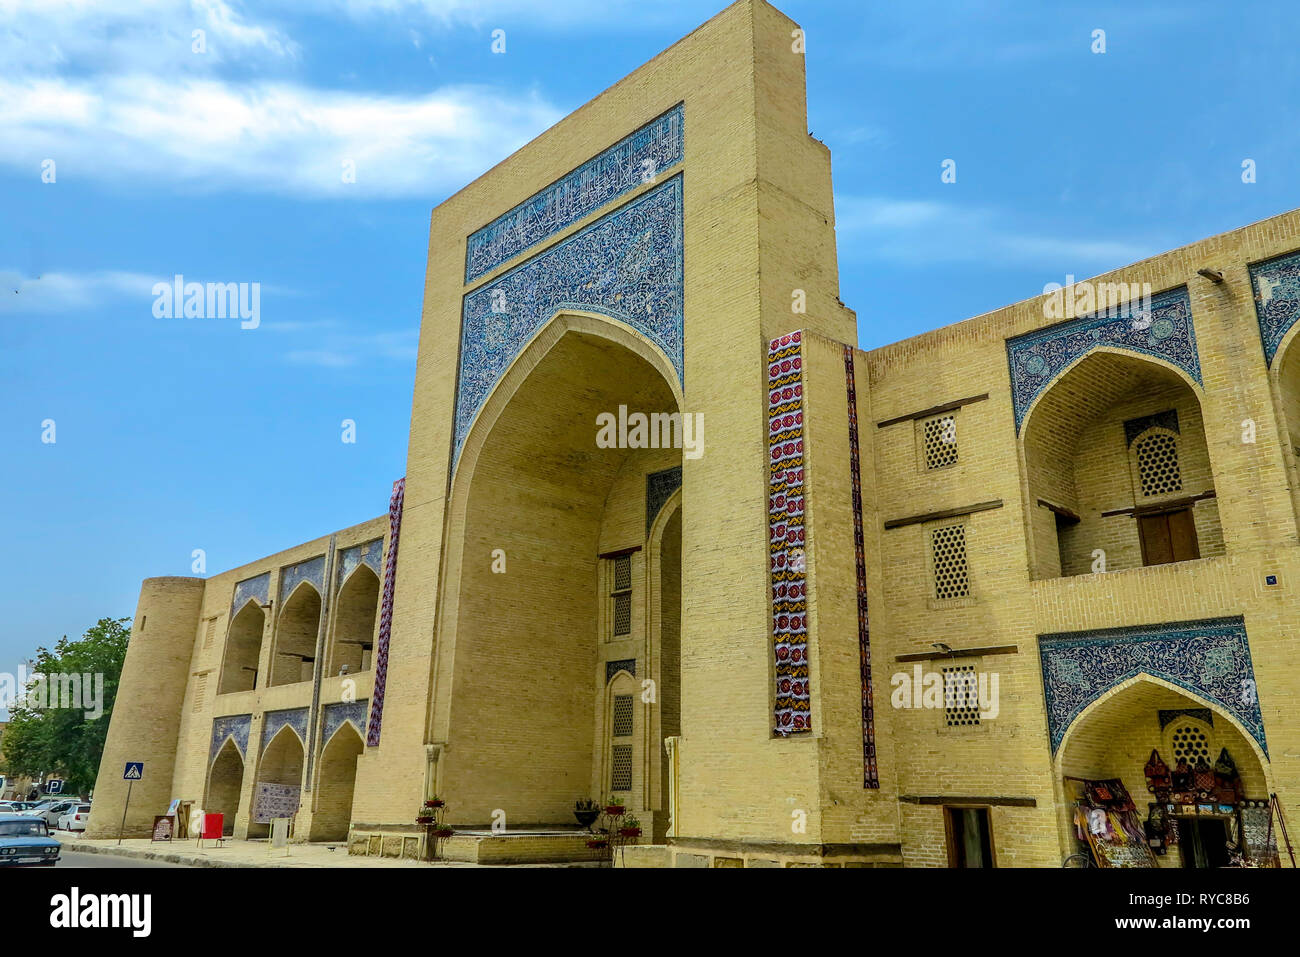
x,y
259,588
339,712
659,488
626,265
1038,357
312,570
369,553
1210,658
273,721
1277,299
623,167
234,726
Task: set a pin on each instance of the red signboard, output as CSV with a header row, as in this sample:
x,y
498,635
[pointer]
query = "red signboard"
x,y
212,824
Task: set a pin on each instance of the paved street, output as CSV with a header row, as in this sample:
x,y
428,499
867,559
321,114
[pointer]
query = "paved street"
x,y
81,859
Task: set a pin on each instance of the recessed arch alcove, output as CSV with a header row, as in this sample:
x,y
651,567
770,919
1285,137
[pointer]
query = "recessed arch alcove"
x,y
517,686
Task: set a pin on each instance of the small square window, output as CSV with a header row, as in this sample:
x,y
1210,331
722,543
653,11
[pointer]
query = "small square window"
x,y
940,438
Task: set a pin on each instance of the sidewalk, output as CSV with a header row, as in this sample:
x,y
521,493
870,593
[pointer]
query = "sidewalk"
x,y
236,853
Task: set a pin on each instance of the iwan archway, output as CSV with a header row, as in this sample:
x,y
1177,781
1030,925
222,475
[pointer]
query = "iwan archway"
x,y
547,588
1206,808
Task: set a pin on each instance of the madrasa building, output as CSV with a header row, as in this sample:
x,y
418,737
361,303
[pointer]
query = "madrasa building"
x,y
1012,590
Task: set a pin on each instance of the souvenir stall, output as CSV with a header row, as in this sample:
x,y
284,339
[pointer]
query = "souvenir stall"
x,y
1200,811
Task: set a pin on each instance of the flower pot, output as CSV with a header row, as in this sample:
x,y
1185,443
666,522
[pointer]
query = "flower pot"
x,y
424,820
436,802
629,831
597,845
588,817
615,810
443,832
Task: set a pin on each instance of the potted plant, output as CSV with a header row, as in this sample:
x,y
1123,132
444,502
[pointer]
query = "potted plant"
x,y
614,807
586,811
630,827
435,802
442,833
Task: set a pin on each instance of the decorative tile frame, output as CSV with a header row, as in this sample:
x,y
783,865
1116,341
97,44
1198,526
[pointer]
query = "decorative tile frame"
x,y
627,265
1135,427
273,721
259,588
1276,284
233,726
312,570
1168,716
1210,658
386,613
628,164
614,667
870,769
1037,358
368,553
659,488
338,713
793,705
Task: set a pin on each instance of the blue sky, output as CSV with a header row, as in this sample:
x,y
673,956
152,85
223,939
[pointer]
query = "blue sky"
x,y
175,435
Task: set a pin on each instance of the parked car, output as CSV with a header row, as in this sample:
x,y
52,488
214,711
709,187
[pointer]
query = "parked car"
x,y
75,819
25,839
50,813
16,807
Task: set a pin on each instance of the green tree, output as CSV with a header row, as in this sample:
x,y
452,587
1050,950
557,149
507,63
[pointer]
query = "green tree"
x,y
44,739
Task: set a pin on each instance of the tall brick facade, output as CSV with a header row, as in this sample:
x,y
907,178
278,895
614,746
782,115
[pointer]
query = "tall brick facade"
x,y
574,620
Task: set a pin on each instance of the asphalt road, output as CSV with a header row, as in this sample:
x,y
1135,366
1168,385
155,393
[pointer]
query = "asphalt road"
x,y
82,859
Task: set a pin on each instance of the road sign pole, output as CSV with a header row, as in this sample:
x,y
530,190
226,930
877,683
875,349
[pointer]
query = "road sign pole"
x,y
129,785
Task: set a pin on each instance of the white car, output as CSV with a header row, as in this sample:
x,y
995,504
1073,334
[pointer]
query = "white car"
x,y
75,819
50,813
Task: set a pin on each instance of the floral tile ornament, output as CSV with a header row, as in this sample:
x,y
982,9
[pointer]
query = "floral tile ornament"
x,y
1165,331
627,265
628,164
273,721
1276,283
1210,658
234,727
251,588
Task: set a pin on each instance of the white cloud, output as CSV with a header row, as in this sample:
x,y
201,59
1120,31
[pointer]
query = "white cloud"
x,y
137,35
920,231
67,292
263,137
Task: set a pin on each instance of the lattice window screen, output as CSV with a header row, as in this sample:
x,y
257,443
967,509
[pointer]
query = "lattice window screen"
x,y
960,696
1157,459
948,547
622,715
1190,742
621,776
622,572
940,442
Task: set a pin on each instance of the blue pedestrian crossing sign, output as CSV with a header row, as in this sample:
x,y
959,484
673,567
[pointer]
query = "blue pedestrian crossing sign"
x,y
134,771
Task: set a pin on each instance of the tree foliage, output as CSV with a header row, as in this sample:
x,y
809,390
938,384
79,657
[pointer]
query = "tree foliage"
x,y
53,739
